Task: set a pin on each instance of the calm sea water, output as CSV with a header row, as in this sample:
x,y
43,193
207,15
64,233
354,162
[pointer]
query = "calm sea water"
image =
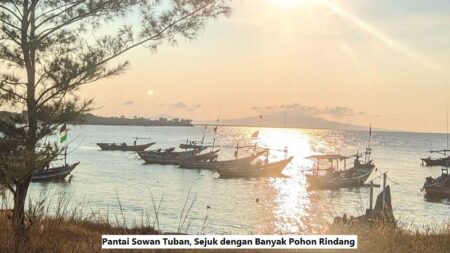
x,y
108,182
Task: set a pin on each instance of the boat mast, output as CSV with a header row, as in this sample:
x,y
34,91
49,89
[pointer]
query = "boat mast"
x,y
204,133
446,112
260,120
368,149
256,134
215,130
65,156
285,127
63,138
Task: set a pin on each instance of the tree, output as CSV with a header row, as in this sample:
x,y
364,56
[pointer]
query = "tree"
x,y
48,51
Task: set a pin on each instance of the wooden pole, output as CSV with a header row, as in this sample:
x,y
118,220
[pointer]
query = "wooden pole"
x,y
371,195
384,190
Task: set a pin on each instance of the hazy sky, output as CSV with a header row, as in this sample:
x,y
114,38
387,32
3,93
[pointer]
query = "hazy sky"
x,y
382,62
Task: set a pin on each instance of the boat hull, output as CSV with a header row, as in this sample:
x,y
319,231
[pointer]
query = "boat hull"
x,y
437,191
175,158
439,187
57,173
190,146
213,165
436,162
328,182
271,170
118,147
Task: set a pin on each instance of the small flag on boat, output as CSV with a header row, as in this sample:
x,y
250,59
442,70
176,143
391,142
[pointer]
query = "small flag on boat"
x,y
255,134
63,133
215,129
370,130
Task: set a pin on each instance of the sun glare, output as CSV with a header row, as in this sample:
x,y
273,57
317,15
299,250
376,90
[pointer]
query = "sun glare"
x,y
288,3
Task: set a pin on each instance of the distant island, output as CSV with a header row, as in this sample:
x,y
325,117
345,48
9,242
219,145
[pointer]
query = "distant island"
x,y
91,119
289,119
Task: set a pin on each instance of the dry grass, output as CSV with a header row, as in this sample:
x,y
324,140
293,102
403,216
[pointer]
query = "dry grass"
x,y
63,235
381,238
65,229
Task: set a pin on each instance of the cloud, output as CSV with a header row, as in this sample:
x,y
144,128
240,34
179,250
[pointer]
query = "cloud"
x,y
335,111
178,105
129,102
182,106
340,111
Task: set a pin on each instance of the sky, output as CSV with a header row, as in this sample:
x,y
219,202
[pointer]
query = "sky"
x,y
361,62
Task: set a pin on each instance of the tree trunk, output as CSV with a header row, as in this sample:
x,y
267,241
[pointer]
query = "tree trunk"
x,y
20,194
19,214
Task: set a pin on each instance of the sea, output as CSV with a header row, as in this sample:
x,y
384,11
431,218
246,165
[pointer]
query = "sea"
x,y
119,187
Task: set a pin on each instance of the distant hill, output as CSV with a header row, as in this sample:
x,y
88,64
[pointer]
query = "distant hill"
x,y
293,120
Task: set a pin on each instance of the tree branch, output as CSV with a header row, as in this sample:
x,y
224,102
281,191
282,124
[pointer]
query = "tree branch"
x,y
75,19
57,14
154,36
14,94
10,36
10,11
9,24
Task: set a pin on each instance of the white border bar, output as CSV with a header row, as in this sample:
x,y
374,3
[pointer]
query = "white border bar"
x,y
229,242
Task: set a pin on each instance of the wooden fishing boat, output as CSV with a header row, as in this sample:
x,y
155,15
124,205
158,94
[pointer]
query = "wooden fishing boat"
x,y
273,169
212,155
191,145
443,161
170,156
124,146
214,164
438,187
179,160
335,178
436,161
171,152
55,173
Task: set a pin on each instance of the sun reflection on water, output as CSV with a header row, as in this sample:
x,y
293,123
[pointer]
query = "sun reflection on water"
x,y
292,203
